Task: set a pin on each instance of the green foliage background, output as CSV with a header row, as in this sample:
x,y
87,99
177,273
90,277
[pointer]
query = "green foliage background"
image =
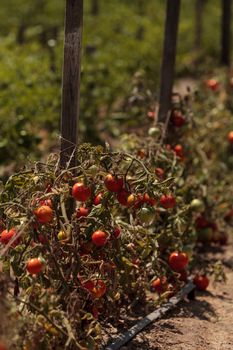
x,y
126,36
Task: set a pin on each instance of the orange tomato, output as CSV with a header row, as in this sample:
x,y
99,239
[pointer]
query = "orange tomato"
x,y
44,214
34,266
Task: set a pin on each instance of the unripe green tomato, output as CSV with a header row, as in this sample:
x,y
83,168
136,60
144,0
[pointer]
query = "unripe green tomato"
x,y
61,236
146,215
197,205
153,131
93,170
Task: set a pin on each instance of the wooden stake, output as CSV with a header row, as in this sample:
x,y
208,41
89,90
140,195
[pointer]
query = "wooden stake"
x,y
71,81
198,24
168,58
226,32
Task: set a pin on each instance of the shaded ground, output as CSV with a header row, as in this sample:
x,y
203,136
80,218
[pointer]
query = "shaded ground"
x,y
203,324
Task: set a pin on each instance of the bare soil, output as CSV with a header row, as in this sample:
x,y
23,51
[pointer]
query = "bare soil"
x,y
202,324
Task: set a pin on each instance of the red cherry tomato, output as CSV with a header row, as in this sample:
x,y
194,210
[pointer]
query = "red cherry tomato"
x,y
178,261
42,239
34,266
113,184
99,238
212,84
151,115
117,232
98,198
159,172
177,119
179,151
147,199
201,222
97,288
81,192
159,285
44,214
6,236
82,212
201,282
167,201
122,197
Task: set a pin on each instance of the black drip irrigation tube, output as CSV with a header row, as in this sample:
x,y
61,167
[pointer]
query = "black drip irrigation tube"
x,y
122,339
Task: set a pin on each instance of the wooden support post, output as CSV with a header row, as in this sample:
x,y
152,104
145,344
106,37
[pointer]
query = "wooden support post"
x,y
168,58
199,4
71,81
226,32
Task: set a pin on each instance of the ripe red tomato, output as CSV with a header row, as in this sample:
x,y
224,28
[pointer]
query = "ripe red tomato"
x,y
147,199
122,197
113,184
42,239
159,285
82,212
179,151
34,266
159,172
6,236
212,84
230,137
99,238
201,222
167,201
81,192
177,119
151,115
201,282
44,214
97,288
117,232
178,261
98,198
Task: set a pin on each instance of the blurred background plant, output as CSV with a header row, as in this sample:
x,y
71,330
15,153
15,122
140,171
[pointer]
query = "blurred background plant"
x,y
114,49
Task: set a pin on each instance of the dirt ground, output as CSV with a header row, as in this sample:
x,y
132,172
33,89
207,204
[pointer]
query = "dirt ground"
x,y
203,324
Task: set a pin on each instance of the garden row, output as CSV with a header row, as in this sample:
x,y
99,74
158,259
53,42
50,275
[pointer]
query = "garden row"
x,y
81,244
